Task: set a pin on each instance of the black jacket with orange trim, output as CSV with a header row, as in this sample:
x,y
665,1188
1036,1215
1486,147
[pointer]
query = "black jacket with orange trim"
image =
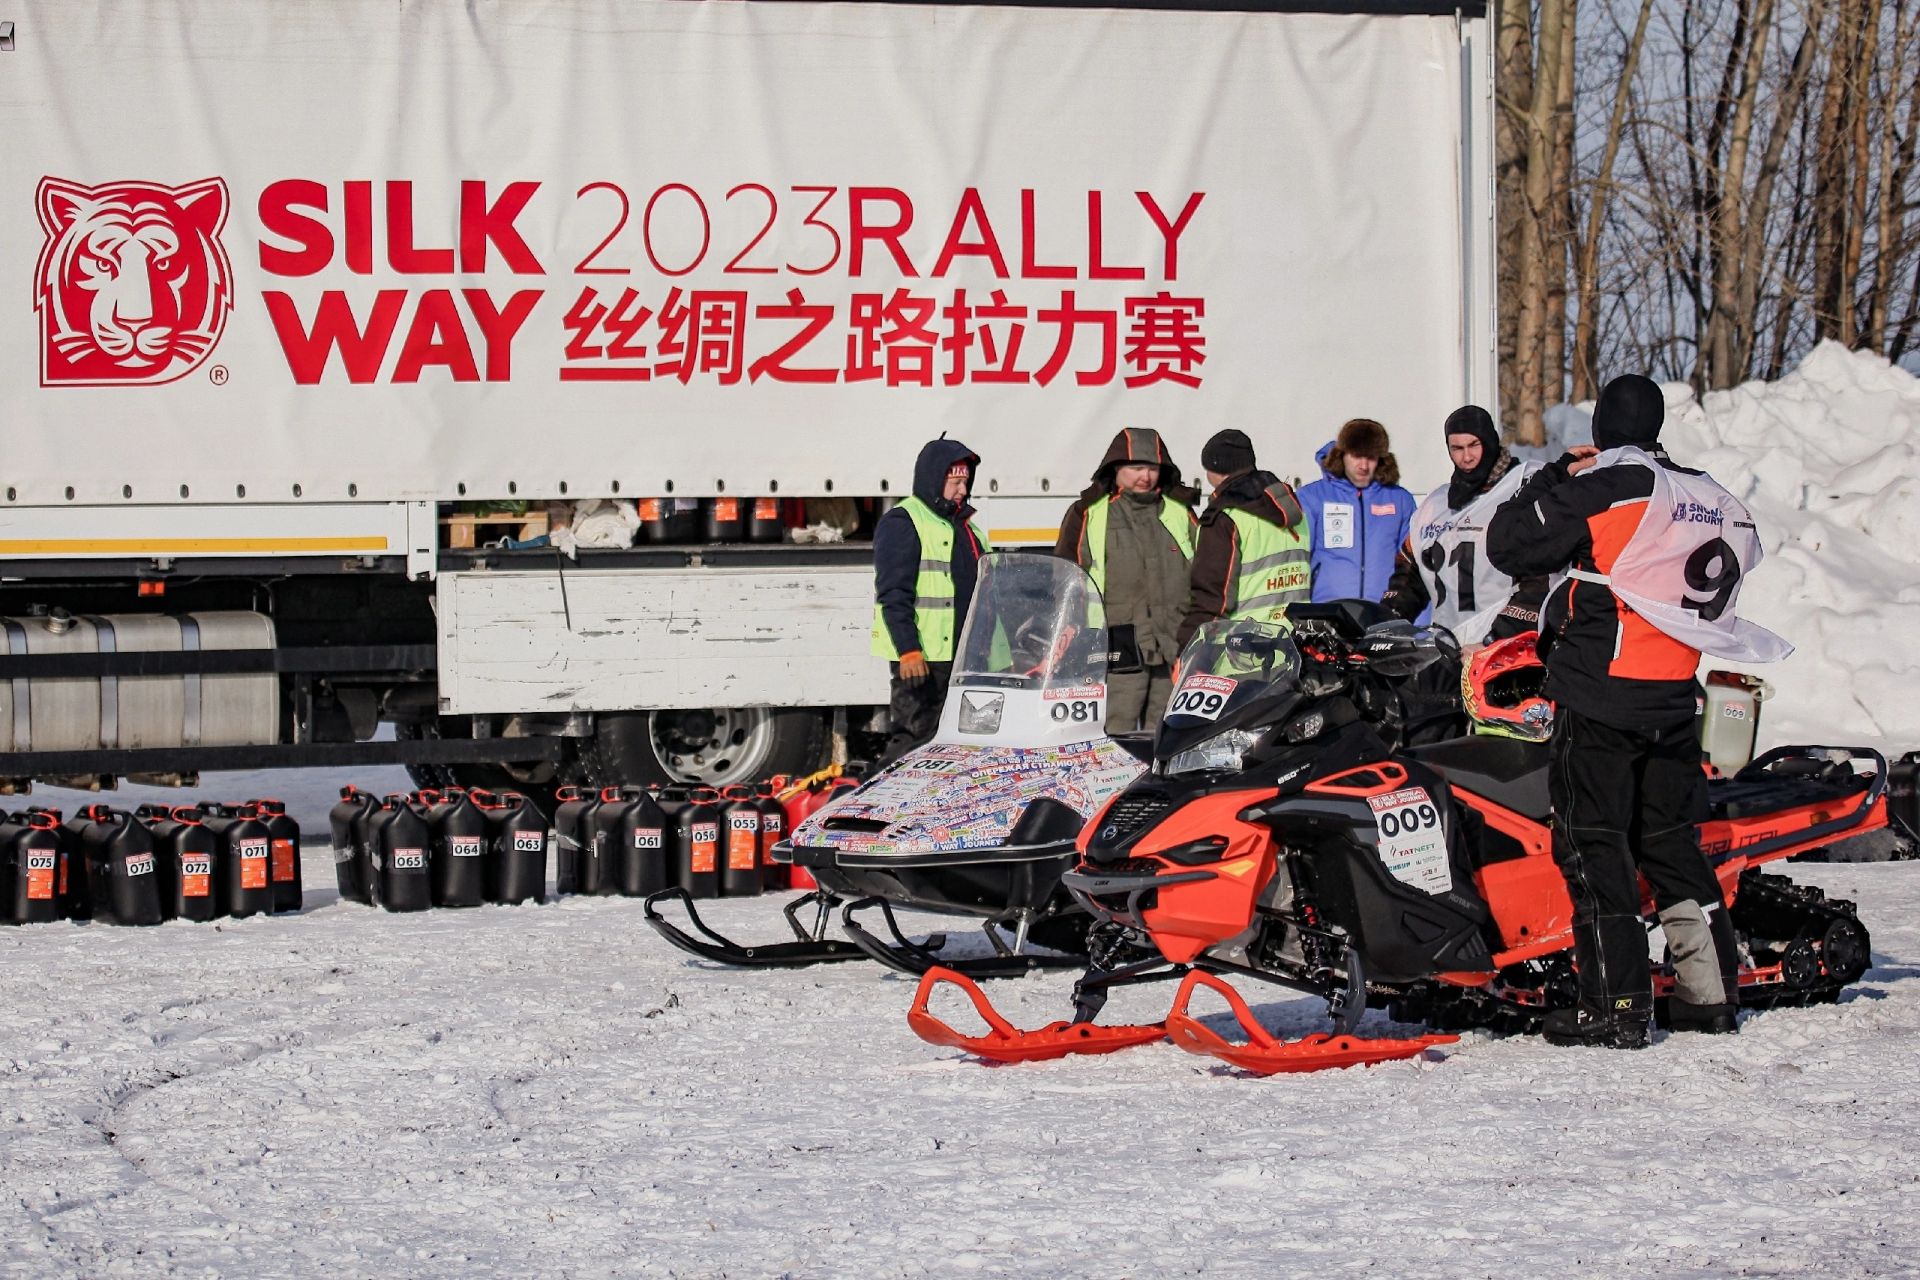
x,y
1603,660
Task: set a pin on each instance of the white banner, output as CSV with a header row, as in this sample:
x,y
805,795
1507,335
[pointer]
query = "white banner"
x,y
384,251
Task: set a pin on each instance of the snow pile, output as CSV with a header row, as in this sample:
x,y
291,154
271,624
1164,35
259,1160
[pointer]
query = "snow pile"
x,y
1828,459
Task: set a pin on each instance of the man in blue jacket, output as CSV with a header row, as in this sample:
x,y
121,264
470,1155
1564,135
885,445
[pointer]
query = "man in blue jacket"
x,y
1357,512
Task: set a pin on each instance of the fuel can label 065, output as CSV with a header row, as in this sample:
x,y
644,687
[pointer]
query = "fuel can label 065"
x,y
1413,842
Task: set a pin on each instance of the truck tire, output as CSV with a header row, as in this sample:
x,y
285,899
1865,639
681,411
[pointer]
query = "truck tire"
x,y
716,747
536,782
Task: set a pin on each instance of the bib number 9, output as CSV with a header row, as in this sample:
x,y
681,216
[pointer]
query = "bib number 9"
x,y
1395,823
1714,571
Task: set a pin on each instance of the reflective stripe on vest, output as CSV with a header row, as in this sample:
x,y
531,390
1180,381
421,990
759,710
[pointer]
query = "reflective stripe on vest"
x,y
933,589
1274,569
1174,518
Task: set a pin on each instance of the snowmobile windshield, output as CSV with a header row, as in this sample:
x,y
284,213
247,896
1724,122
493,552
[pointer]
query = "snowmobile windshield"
x,y
1230,674
1036,622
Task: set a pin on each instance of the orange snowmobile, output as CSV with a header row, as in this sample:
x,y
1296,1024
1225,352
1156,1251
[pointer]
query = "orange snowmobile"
x,y
1277,837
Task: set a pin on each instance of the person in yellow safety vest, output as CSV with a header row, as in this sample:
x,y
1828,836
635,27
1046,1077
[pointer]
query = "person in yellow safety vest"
x,y
1252,558
1133,531
926,556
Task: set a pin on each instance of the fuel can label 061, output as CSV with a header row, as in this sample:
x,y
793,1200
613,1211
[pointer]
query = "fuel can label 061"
x,y
1413,842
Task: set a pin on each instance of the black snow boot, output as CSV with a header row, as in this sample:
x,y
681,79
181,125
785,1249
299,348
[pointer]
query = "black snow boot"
x,y
1675,1014
1621,1028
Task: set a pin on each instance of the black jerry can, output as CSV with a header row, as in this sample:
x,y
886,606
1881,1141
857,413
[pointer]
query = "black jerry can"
x,y
189,856
740,875
517,833
643,847
773,829
571,831
245,855
122,869
352,867
599,868
283,852
33,847
459,851
406,879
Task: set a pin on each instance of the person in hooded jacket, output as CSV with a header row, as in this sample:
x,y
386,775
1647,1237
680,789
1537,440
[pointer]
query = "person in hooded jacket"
x,y
1251,558
926,557
1625,772
1133,531
1443,565
1357,513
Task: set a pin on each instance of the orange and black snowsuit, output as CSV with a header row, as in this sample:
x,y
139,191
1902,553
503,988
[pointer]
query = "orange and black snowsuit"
x,y
1603,659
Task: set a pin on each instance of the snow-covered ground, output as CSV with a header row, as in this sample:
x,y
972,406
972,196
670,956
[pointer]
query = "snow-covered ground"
x,y
552,1091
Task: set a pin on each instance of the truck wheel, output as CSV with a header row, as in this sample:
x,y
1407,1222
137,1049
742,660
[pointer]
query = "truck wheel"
x,y
715,746
535,781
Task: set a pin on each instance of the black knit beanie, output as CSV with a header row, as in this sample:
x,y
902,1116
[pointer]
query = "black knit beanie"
x,y
1228,453
1630,411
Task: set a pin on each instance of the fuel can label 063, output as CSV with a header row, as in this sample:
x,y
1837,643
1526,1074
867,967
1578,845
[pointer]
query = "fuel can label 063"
x,y
1413,842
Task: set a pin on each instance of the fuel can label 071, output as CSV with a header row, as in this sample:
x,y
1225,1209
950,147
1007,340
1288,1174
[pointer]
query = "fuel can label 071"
x,y
1413,841
253,864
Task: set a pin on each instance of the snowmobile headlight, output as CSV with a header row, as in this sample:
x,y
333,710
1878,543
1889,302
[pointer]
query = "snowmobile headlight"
x,y
1221,751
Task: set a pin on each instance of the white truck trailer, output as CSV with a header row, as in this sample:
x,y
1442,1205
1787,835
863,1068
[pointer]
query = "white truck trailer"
x,y
281,284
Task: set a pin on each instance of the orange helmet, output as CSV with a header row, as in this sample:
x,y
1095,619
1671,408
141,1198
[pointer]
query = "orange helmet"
x,y
1501,688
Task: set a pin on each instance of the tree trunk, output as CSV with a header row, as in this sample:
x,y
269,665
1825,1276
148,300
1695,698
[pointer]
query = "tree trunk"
x,y
1535,258
1513,77
1586,332
1730,226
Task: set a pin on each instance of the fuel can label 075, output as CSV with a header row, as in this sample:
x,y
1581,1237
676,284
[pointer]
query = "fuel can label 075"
x,y
1413,842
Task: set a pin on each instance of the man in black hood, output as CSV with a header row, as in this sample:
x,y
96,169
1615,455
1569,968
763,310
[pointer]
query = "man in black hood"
x,y
1625,774
1133,531
1251,559
926,557
1443,563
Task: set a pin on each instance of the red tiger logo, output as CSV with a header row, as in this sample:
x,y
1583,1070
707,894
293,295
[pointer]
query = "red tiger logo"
x,y
134,286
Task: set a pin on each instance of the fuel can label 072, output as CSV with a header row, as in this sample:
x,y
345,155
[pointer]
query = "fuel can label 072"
x,y
1413,841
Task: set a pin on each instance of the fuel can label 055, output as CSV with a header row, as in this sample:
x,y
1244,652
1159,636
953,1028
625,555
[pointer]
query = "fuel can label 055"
x,y
1413,842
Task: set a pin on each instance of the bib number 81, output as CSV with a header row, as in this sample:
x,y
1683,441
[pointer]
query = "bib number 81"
x,y
1077,712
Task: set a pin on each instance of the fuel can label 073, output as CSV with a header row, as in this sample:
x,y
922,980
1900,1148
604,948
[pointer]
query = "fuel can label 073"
x,y
1413,842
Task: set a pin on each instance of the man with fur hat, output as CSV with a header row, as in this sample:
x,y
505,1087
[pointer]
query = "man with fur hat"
x,y
1133,531
1251,558
926,557
1357,513
1443,563
1654,555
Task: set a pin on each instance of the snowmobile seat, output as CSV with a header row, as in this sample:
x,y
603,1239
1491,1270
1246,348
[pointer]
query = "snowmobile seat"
x,y
1510,772
1754,795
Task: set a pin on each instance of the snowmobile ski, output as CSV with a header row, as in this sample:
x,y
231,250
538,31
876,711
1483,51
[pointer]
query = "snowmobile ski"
x,y
918,958
1264,1055
811,946
1003,1042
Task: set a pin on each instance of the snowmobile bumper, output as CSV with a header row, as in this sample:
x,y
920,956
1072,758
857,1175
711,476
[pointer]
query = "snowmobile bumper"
x,y
918,958
809,946
1262,1054
1003,1042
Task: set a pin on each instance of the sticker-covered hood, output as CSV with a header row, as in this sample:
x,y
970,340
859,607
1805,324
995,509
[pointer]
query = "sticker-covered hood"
x,y
947,797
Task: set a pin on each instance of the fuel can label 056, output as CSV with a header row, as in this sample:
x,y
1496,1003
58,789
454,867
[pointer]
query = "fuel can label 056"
x,y
1413,842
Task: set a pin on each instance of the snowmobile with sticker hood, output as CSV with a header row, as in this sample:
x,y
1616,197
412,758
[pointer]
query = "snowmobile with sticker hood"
x,y
1279,837
982,821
